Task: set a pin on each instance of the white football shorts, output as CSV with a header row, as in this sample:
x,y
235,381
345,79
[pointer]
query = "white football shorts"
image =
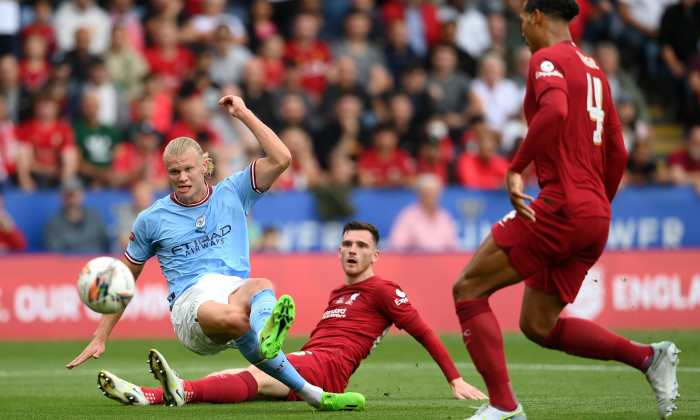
x,y
214,287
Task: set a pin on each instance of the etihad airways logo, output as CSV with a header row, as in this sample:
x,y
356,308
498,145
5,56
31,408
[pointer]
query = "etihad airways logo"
x,y
215,238
547,69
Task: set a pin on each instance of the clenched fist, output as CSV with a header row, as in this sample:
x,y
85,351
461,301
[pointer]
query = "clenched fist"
x,y
235,105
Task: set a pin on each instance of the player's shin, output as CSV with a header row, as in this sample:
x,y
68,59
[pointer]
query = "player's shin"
x,y
482,337
223,388
279,368
261,305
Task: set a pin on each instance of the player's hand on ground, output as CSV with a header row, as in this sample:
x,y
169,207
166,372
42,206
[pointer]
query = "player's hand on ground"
x,y
234,105
516,186
94,350
462,390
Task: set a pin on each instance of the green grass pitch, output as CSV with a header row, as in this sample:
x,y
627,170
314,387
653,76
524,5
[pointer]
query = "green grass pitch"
x,y
399,379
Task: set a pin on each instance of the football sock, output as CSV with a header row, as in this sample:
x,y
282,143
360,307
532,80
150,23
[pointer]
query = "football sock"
x,y
279,368
580,337
482,337
223,389
153,395
261,305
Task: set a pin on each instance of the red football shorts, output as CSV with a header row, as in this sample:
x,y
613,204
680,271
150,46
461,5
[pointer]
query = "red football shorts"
x,y
554,253
321,368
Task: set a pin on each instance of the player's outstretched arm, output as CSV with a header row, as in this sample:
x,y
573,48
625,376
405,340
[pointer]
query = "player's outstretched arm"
x,y
462,390
99,339
428,339
277,157
104,328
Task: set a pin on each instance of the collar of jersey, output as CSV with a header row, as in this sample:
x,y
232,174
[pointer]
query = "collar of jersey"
x,y
206,197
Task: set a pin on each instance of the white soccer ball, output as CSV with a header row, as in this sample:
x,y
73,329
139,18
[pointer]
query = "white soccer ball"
x,y
106,285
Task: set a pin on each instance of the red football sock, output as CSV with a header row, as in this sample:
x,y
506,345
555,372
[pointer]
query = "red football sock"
x,y
222,389
580,337
153,395
482,337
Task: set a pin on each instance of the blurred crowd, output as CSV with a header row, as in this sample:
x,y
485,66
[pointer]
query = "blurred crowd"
x,y
366,93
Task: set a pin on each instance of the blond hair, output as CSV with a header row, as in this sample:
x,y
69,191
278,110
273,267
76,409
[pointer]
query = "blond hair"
x,y
180,145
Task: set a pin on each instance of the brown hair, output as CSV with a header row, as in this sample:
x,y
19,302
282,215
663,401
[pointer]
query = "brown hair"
x,y
355,225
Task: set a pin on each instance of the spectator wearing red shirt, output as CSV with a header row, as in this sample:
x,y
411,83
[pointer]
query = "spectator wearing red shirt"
x,y
309,54
155,105
167,59
684,165
430,28
140,160
193,122
34,67
41,25
485,169
9,144
436,152
385,164
47,147
11,238
272,53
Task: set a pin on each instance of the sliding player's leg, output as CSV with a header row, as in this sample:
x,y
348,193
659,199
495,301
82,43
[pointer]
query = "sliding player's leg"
x,y
251,306
226,387
235,385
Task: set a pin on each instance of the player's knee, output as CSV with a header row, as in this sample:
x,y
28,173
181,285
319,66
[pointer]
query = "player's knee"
x,y
465,287
258,284
533,330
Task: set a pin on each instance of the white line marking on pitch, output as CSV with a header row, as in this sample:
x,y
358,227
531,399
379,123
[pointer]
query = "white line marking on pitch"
x,y
83,371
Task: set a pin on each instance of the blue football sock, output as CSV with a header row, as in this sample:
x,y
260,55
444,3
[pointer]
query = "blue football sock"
x,y
279,367
261,305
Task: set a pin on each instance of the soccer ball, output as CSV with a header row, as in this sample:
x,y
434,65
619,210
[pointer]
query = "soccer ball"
x,y
106,285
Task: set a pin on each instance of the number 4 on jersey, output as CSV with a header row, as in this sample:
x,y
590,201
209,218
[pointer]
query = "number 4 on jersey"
x,y
595,106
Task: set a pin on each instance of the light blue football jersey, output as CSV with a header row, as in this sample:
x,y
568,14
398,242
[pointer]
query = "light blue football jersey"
x,y
191,240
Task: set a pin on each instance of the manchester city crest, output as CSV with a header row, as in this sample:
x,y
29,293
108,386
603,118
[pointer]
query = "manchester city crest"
x,y
201,221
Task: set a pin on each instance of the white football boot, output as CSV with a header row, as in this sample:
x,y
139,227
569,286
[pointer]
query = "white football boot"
x,y
662,377
120,390
173,386
489,412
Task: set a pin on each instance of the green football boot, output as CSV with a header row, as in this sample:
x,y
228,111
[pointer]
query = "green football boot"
x,y
348,401
276,328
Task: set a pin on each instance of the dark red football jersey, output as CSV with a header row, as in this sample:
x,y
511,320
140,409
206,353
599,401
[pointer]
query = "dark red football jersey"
x,y
359,315
570,171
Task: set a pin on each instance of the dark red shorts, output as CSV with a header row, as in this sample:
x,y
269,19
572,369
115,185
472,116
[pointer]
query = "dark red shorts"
x,y
553,254
321,368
